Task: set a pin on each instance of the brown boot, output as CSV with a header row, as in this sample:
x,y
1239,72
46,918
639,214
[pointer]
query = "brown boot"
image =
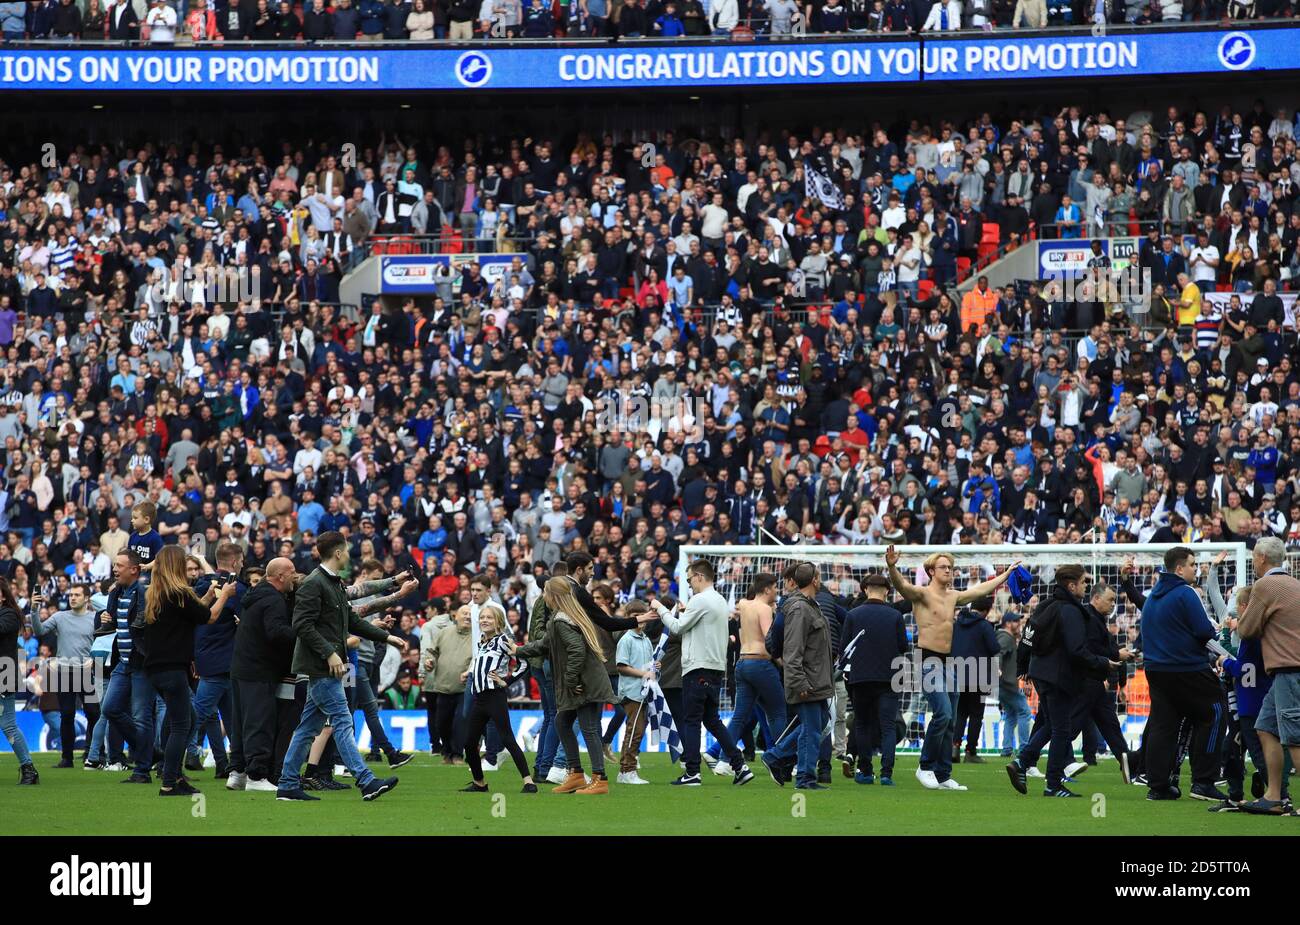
x,y
599,784
572,784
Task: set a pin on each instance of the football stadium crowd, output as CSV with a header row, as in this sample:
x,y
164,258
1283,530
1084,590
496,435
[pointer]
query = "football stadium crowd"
x,y
167,22
786,308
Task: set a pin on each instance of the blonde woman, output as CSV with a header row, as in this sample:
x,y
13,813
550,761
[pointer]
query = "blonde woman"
x,y
489,668
171,611
581,683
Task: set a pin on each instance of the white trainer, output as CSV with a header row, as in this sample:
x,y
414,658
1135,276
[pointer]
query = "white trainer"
x,y
723,769
489,766
631,777
116,767
708,759
1075,769
556,775
261,785
1034,772
237,781
927,779
950,784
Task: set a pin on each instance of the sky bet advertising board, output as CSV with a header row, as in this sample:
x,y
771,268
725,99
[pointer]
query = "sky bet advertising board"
x,y
674,65
423,274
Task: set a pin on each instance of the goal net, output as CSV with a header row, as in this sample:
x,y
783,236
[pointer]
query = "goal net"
x,y
842,569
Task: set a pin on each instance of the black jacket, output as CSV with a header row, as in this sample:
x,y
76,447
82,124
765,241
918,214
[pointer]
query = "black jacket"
x,y
834,613
11,624
169,640
883,640
264,642
1067,662
1102,642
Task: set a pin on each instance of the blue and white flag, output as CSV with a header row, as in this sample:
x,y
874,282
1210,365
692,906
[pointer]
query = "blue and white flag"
x,y
819,186
659,720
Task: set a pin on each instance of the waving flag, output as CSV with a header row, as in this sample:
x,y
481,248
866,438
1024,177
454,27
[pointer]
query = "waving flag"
x,y
659,721
846,656
819,185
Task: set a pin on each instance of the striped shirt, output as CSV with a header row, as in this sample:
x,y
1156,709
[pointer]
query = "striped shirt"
x,y
123,616
63,256
1207,326
491,656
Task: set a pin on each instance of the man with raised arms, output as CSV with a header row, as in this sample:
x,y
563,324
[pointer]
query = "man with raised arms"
x,y
935,608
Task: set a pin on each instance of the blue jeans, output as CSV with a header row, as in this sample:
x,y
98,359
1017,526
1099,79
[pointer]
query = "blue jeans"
x,y
325,700
548,736
936,748
806,745
213,695
173,685
1015,722
129,705
106,743
368,704
758,685
53,737
9,726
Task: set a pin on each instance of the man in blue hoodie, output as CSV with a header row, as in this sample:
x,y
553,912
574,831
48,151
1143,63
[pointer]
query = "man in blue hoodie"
x,y
1175,629
975,642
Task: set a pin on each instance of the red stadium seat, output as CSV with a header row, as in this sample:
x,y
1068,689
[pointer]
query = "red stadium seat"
x,y
401,244
1133,227
963,265
992,234
925,288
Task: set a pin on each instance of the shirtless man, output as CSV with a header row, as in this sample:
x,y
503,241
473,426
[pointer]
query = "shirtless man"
x,y
758,683
935,608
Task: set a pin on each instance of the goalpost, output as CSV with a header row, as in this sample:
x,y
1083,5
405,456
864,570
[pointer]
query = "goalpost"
x,y
842,567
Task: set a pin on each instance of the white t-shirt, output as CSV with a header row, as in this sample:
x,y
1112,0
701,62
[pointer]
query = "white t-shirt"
x,y
714,221
1203,272
162,24
907,263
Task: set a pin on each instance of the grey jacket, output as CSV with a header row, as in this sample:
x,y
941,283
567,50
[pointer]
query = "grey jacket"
x,y
807,651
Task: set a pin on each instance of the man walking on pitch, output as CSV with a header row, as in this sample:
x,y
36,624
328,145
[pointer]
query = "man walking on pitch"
x,y
1273,617
259,667
323,619
1175,629
758,683
809,682
874,637
935,607
703,629
1062,666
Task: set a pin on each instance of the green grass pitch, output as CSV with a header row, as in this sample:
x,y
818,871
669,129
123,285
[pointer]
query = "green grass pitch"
x,y
79,802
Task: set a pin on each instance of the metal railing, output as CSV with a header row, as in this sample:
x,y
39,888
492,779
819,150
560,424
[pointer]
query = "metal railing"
x,y
743,35
1050,231
402,245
